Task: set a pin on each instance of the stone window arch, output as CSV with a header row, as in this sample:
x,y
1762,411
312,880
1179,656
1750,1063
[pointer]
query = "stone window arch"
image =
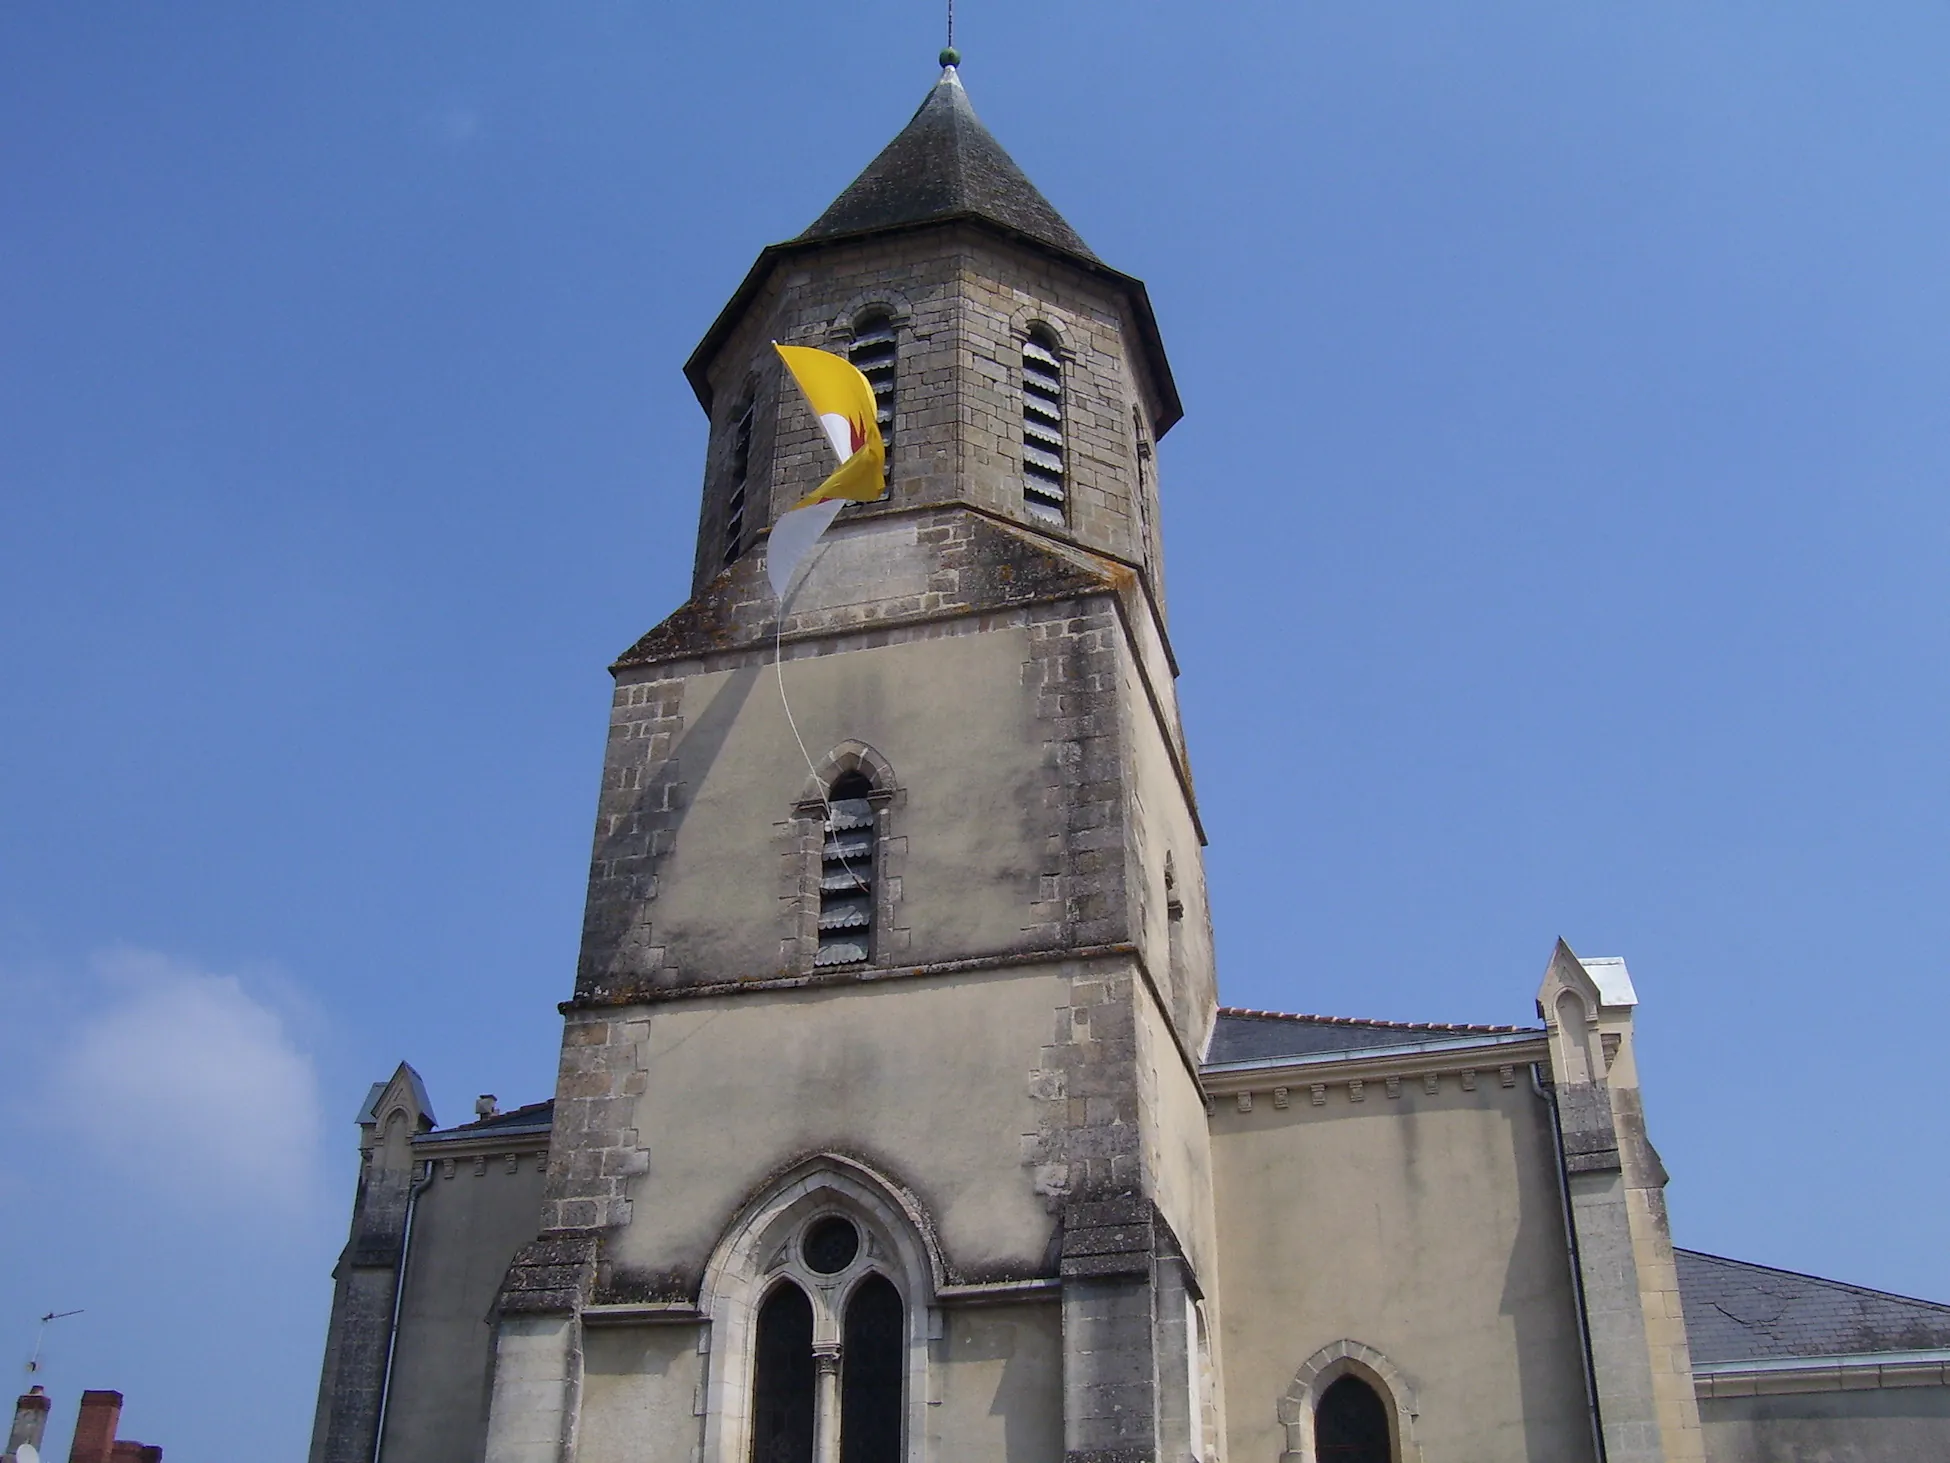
x,y
844,882
846,1375
1300,1408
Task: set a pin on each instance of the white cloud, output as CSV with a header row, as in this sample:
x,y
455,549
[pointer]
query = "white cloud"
x,y
185,1079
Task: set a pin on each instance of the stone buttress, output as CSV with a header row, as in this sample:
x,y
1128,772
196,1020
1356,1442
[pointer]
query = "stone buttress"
x,y
1640,1363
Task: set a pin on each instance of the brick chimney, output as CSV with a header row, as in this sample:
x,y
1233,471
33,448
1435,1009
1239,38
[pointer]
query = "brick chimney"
x,y
94,1429
30,1421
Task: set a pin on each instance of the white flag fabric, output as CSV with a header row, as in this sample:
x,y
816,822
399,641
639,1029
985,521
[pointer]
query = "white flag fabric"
x,y
792,539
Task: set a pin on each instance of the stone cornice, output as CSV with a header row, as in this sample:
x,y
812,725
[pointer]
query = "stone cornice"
x,y
489,1144
643,1313
1488,1054
1000,1292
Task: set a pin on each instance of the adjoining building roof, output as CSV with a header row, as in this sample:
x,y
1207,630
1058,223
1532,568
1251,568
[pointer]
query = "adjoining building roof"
x,y
536,1117
1246,1036
1736,1311
945,164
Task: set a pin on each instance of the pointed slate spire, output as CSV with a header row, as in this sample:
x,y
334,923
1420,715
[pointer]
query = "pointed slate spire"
x,y
945,164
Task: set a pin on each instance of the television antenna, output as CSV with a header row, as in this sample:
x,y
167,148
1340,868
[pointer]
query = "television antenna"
x,y
34,1361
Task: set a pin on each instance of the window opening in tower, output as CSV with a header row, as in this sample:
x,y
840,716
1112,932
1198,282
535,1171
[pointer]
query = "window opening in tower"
x,y
874,351
1042,428
741,470
846,874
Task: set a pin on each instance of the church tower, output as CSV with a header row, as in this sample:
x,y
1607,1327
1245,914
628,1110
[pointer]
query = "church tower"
x,y
878,1133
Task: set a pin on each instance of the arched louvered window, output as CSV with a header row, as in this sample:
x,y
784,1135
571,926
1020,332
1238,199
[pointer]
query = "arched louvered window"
x,y
783,1405
846,873
874,351
873,1357
1043,491
741,471
1351,1424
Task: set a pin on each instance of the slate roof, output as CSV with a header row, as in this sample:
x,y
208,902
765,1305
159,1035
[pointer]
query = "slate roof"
x,y
535,1117
1248,1036
1740,1312
945,164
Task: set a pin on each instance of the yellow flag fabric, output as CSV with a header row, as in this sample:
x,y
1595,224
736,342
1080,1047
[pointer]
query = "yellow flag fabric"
x,y
843,401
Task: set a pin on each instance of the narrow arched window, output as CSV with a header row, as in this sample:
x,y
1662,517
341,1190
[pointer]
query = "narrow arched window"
x,y
1351,1424
1043,492
782,1384
874,351
872,1360
846,859
741,471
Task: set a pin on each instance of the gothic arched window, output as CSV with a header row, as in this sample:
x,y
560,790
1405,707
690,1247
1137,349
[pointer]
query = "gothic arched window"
x,y
830,1350
1351,1424
874,351
1043,492
783,1404
873,1357
846,873
740,475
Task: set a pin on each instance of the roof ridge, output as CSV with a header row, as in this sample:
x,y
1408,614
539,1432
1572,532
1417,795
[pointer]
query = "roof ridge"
x,y
501,1117
1849,1285
1370,1021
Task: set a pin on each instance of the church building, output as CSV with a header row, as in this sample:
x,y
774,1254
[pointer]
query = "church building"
x,y
898,1120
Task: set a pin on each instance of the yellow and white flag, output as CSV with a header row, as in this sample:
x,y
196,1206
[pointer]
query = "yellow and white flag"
x,y
843,401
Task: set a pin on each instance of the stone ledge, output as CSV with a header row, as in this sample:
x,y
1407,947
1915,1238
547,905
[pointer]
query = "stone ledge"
x,y
848,975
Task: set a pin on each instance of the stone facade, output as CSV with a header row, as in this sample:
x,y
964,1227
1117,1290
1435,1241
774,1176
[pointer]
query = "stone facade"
x,y
1119,1225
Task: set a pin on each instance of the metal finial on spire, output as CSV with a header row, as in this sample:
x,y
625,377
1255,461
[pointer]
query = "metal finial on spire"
x,y
949,55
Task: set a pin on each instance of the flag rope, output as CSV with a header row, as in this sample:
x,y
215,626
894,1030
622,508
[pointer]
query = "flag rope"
x,y
778,669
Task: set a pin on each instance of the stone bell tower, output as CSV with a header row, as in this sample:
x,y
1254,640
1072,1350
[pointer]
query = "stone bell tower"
x,y
878,1132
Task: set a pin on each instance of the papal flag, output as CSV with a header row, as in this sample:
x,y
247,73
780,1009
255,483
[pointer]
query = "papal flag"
x,y
842,399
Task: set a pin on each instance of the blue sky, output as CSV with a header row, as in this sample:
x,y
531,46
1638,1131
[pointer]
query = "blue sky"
x,y
1556,544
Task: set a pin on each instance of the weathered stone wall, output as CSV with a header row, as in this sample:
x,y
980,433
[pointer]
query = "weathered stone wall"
x,y
1422,1227
639,1395
1023,724
932,1084
998,1373
481,1207
1883,1425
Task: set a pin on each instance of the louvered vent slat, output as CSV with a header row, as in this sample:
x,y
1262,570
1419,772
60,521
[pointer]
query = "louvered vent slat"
x,y
1043,443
